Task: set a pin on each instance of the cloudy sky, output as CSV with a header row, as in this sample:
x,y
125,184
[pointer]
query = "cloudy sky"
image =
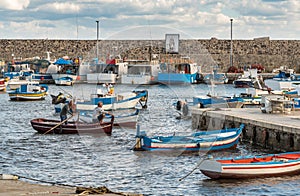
x,y
149,19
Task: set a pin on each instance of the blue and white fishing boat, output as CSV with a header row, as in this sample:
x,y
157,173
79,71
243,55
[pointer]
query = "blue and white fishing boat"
x,y
217,101
215,78
122,118
64,81
181,73
198,141
29,92
16,82
64,72
283,80
118,101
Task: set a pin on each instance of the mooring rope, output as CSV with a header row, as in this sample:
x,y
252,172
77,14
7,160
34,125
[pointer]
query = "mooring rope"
x,y
79,190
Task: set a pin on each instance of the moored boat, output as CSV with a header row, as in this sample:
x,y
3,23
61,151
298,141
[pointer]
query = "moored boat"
x,y
3,83
29,92
180,73
48,126
199,141
247,80
217,101
252,166
215,78
124,100
16,82
63,71
122,118
64,81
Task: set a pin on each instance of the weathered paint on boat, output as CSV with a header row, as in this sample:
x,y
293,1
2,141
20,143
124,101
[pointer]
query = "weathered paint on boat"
x,y
252,166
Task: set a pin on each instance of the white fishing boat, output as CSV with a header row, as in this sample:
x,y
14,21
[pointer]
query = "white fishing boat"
x,y
16,83
140,72
106,72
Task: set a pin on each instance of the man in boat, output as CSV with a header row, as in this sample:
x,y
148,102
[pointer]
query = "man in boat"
x,y
67,109
98,113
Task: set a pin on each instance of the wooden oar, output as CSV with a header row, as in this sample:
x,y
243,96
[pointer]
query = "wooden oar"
x,y
58,124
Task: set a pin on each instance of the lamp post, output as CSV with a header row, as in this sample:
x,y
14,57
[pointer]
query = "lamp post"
x,y
97,21
231,59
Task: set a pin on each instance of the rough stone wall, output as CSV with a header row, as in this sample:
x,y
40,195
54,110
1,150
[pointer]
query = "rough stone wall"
x,y
268,138
270,53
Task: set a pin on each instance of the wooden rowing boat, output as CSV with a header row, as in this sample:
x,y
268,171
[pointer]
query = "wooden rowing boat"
x,y
252,166
42,125
199,141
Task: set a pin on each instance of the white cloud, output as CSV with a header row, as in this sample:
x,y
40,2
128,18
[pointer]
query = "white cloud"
x,y
14,4
199,18
64,8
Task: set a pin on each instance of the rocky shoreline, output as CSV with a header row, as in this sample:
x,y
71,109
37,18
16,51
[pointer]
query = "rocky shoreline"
x,y
20,187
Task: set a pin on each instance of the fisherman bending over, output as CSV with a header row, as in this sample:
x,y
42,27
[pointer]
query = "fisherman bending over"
x,y
67,109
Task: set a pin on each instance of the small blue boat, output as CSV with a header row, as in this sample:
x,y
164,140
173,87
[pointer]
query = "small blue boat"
x,y
127,100
218,101
64,81
183,73
215,78
200,141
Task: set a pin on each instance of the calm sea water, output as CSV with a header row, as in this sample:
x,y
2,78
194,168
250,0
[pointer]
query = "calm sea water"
x,y
83,160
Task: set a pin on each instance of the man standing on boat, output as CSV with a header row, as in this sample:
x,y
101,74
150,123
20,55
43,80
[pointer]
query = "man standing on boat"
x,y
67,109
99,113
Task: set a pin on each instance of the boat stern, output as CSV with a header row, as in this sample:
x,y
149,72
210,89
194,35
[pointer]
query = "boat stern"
x,y
211,168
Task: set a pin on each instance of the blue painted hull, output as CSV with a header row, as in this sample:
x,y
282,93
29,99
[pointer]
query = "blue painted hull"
x,y
200,141
206,101
177,78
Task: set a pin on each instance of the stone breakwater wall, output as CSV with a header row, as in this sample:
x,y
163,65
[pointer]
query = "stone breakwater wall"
x,y
269,53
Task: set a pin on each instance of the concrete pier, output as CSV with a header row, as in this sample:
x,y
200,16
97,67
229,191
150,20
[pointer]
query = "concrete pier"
x,y
276,131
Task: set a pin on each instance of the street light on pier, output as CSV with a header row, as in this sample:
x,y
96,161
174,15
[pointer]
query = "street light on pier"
x,y
231,59
97,21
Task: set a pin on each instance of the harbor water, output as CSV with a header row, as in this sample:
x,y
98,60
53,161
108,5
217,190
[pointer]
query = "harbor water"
x,y
97,160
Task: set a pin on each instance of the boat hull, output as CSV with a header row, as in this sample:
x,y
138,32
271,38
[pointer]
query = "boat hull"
x,y
200,141
177,78
27,96
29,92
43,126
121,101
252,167
101,78
243,84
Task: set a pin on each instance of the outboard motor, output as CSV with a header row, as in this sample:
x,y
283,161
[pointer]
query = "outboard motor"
x,y
185,109
178,105
60,98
